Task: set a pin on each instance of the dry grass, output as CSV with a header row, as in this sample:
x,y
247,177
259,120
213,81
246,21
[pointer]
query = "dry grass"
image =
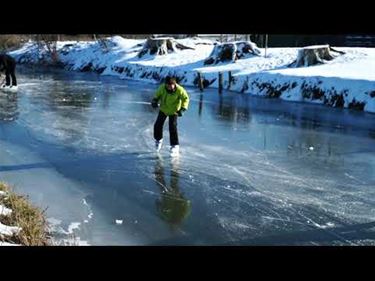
x,y
11,41
29,218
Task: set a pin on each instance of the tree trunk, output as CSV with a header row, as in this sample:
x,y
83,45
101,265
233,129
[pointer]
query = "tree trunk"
x,y
313,55
232,52
50,42
161,46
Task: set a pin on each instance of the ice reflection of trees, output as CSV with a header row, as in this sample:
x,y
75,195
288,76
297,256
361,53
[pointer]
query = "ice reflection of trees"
x,y
69,105
237,111
311,142
62,94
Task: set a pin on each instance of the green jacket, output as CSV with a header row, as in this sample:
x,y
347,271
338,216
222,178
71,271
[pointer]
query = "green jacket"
x,y
170,103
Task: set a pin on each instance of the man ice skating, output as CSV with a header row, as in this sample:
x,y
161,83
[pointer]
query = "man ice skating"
x,y
8,65
174,101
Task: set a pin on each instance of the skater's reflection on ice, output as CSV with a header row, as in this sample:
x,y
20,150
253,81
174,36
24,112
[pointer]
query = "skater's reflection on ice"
x,y
171,206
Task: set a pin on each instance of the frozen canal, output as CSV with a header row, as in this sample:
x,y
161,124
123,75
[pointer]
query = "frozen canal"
x,y
252,171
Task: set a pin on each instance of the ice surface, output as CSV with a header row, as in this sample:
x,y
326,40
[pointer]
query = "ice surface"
x,y
83,147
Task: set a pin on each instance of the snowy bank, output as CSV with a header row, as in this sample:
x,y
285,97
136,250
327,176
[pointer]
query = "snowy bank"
x,y
20,222
347,81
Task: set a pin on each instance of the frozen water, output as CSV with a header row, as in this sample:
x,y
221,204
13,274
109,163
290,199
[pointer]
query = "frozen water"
x,y
82,145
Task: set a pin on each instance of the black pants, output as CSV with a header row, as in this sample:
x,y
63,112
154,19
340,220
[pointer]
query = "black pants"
x,y
11,73
158,128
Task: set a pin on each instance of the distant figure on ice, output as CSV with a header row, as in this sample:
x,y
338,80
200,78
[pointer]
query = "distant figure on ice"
x,y
8,65
174,100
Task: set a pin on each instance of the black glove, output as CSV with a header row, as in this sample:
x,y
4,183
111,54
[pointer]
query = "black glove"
x,y
181,111
154,103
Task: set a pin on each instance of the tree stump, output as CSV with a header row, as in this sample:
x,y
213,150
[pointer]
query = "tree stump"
x,y
232,52
313,55
161,46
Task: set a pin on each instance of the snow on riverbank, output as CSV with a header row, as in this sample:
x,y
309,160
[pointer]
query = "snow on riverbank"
x,y
347,81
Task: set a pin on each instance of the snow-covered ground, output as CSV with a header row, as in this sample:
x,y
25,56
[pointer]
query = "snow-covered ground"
x,y
347,81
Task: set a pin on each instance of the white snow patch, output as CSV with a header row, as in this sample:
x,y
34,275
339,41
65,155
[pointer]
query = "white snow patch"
x,y
8,244
53,221
91,214
8,230
73,226
327,225
74,242
4,211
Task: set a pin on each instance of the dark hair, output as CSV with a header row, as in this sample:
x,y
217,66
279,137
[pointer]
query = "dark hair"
x,y
170,80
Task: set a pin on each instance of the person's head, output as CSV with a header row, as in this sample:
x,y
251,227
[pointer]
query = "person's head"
x,y
170,84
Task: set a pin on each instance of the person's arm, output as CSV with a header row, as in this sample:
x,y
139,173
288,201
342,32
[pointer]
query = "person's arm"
x,y
184,102
184,99
157,96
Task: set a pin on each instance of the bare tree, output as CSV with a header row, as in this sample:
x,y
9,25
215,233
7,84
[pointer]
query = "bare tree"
x,y
48,41
102,41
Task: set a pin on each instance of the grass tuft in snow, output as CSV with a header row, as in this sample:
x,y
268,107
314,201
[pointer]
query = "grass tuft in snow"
x,y
30,219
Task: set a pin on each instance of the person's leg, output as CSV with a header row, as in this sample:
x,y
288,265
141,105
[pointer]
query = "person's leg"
x,y
7,78
158,126
13,74
173,134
